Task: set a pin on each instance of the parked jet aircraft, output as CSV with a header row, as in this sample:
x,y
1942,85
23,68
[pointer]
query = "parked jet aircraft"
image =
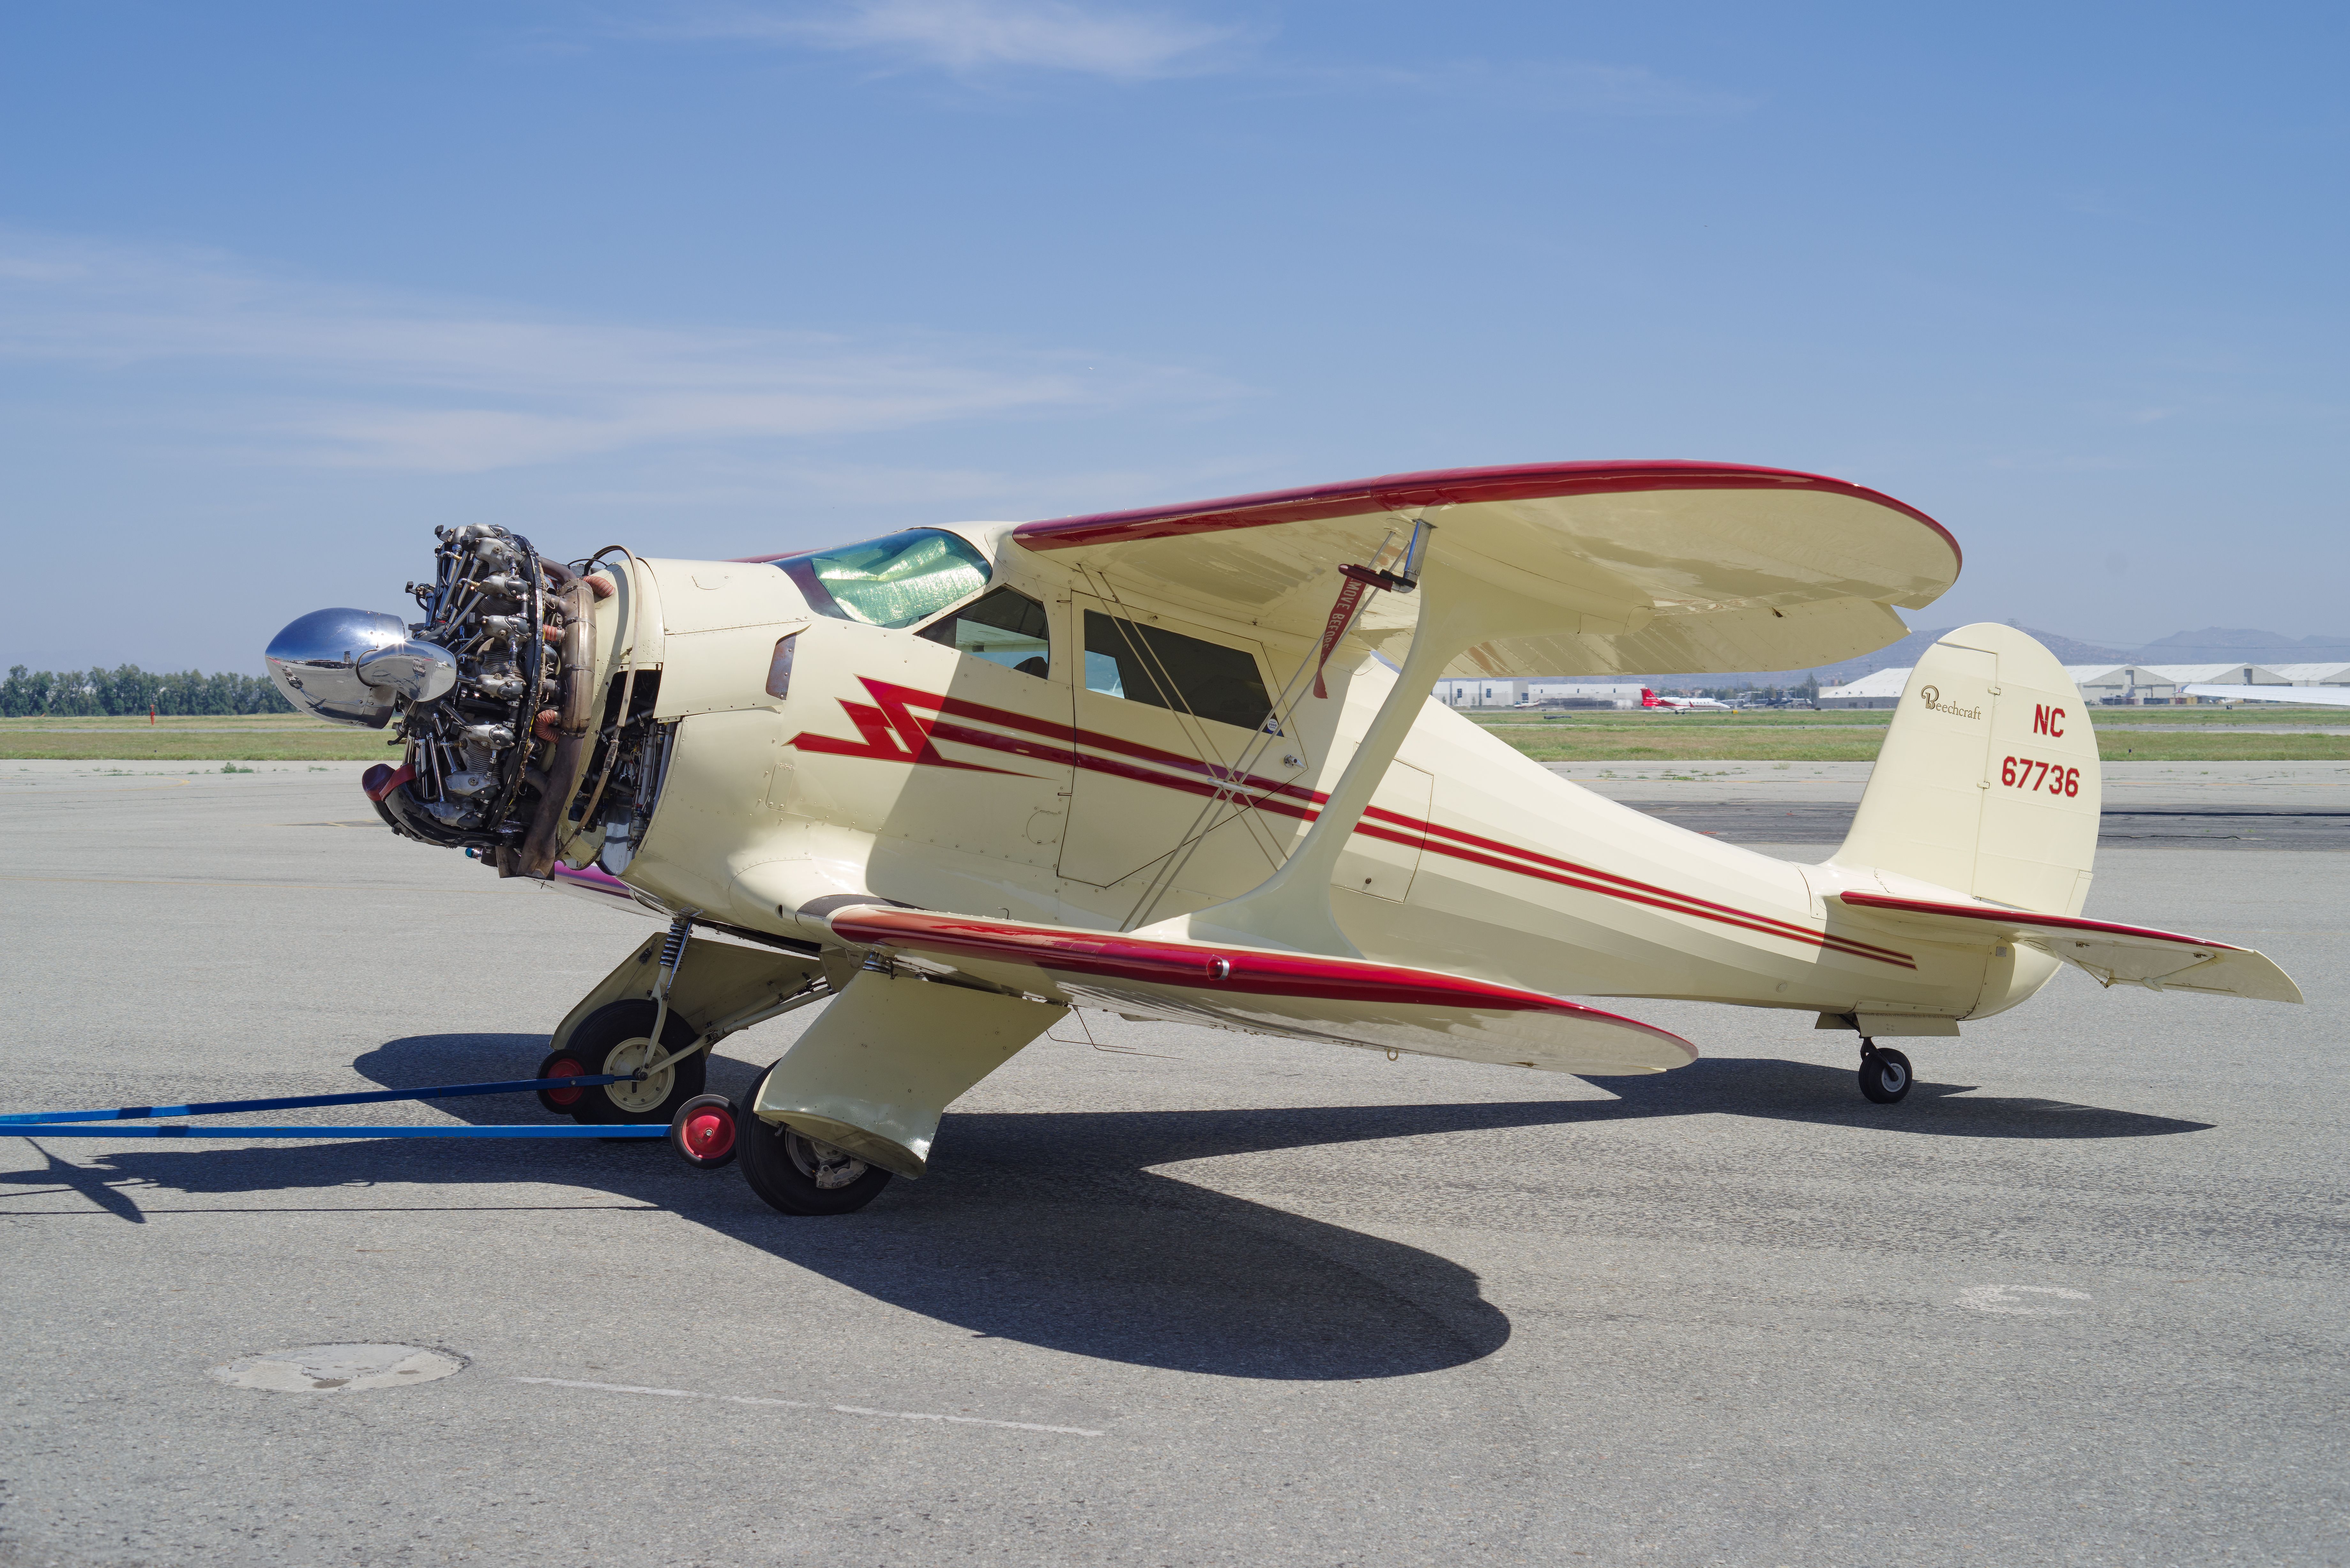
x,y
1679,704
962,778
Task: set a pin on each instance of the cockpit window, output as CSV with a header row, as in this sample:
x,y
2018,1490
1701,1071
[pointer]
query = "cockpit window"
x,y
1004,626
894,580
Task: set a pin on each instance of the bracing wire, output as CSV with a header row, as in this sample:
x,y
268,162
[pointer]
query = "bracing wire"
x,y
1232,778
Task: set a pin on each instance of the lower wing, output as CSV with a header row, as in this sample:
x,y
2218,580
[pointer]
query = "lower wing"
x,y
1301,996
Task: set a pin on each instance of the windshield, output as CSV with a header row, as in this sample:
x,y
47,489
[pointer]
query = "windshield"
x,y
894,580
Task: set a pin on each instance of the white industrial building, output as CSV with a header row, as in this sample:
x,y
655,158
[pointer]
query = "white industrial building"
x,y
1881,690
2113,684
2218,675
2099,683
2125,683
2310,674
1525,691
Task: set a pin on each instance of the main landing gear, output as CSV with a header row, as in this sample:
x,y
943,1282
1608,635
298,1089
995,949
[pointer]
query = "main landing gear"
x,y
664,1082
615,1039
1884,1072
788,1169
791,1171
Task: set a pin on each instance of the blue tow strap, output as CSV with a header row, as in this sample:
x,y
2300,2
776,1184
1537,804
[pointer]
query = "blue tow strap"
x,y
295,1102
57,1124
618,1129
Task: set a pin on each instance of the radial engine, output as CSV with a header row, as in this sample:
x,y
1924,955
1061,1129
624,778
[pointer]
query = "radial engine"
x,y
493,695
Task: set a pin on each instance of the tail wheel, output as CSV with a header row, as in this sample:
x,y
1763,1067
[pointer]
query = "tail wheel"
x,y
1884,1074
796,1174
617,1039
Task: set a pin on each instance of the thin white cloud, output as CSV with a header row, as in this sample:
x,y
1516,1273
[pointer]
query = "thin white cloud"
x,y
972,39
321,373
971,36
1529,87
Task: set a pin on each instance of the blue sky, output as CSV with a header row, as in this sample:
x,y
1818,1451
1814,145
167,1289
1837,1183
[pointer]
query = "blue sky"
x,y
281,286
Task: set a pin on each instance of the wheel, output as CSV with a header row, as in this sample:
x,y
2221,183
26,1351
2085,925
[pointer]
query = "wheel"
x,y
793,1172
1884,1074
563,1064
613,1040
703,1131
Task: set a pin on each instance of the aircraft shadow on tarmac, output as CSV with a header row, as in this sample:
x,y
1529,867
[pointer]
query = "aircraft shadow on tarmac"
x,y
1051,1228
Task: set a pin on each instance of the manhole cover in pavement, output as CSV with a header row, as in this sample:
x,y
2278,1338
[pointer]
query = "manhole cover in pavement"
x,y
340,1368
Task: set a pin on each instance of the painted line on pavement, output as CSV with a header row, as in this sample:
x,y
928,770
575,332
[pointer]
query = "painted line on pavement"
x,y
805,1405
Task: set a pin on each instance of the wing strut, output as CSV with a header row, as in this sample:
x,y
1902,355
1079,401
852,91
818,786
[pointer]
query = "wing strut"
x,y
1291,908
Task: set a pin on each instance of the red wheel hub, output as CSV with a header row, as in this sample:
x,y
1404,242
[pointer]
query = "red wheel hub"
x,y
567,1068
708,1133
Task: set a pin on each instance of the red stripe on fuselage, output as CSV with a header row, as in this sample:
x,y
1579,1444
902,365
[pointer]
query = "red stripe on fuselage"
x,y
1194,776
1705,908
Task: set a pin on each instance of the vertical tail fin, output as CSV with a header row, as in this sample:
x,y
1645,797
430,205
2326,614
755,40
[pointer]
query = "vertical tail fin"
x,y
1988,783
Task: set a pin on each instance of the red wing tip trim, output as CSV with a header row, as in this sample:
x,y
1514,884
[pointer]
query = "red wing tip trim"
x,y
1443,487
2025,918
1245,970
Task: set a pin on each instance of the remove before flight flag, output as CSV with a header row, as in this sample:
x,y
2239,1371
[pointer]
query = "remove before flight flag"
x,y
1359,580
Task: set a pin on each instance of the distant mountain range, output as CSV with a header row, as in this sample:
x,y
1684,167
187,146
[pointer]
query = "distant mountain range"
x,y
2212,645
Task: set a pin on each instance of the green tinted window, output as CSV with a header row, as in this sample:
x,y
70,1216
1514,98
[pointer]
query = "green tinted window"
x,y
1167,670
894,580
1004,627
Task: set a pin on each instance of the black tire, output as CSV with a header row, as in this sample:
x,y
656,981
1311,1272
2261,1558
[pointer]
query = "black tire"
x,y
1885,1075
706,1132
602,1044
789,1170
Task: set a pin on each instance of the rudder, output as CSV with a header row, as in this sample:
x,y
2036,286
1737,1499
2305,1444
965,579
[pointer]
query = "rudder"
x,y
1988,783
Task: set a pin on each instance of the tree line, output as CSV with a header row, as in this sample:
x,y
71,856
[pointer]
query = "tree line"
x,y
36,694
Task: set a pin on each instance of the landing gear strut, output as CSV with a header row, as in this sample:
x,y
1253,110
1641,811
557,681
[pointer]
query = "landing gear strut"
x,y
1884,1072
615,1039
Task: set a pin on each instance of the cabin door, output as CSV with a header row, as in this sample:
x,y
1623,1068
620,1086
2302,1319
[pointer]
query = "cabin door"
x,y
1185,789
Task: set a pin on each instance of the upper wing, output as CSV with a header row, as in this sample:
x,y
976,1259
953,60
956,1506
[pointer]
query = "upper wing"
x,y
1304,996
2115,955
1653,566
2327,696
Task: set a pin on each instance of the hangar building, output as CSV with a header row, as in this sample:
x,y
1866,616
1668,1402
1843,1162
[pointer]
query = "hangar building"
x,y
2114,683
1491,692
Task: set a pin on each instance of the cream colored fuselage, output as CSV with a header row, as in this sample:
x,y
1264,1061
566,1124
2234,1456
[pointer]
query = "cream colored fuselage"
x,y
895,766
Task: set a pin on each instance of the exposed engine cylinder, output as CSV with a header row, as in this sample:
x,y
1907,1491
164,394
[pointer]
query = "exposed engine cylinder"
x,y
493,692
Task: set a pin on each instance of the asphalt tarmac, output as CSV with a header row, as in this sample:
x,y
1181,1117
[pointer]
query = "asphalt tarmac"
x,y
2203,805
1167,1297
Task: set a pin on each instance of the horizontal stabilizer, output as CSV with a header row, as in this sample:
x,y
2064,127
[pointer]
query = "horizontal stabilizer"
x,y
1302,996
2113,954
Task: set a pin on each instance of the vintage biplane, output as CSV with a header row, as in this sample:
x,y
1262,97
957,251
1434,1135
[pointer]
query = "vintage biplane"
x,y
1180,764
